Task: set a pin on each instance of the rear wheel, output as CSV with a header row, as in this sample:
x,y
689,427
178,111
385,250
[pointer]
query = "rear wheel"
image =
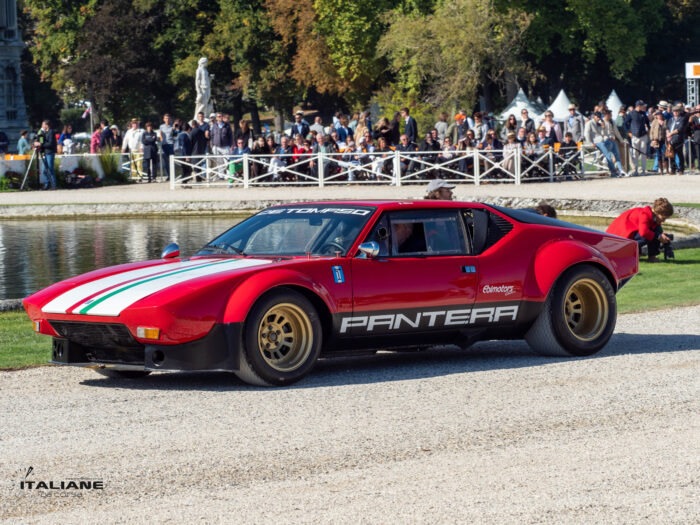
x,y
282,340
578,317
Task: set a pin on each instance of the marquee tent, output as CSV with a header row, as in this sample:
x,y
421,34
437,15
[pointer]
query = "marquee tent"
x,y
560,108
516,105
614,103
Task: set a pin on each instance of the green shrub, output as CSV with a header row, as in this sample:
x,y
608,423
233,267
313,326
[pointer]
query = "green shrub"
x,y
111,169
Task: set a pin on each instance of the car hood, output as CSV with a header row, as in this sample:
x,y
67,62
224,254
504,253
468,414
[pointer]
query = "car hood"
x,y
108,293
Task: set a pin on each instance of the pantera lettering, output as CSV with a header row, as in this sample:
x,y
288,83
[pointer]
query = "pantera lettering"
x,y
434,319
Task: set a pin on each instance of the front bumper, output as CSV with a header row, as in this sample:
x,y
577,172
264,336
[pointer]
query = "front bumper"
x,y
218,350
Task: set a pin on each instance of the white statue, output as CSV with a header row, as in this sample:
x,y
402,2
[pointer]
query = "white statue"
x,y
203,84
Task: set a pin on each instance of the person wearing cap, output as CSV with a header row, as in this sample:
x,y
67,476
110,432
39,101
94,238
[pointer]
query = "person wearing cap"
x,y
638,124
664,108
574,124
676,135
300,127
132,146
595,133
439,190
458,129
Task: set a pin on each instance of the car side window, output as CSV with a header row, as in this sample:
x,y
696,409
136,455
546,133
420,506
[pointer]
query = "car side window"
x,y
430,233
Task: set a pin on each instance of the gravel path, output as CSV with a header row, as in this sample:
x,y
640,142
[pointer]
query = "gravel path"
x,y
678,188
491,435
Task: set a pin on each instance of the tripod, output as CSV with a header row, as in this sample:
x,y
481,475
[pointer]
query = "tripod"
x,y
29,167
36,152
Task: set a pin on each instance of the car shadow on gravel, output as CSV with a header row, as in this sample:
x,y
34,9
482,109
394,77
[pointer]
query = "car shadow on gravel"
x,y
400,366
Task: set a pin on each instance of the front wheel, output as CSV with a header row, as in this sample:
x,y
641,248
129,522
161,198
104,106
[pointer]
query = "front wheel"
x,y
578,317
282,340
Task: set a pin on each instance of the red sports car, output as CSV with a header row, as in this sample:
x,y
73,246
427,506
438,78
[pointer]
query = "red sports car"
x,y
292,283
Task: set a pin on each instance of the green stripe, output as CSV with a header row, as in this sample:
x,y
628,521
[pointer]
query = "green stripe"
x,y
119,290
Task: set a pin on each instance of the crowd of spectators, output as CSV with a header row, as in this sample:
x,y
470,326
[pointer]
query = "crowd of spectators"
x,y
363,149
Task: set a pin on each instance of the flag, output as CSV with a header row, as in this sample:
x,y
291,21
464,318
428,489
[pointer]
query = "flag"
x,y
87,112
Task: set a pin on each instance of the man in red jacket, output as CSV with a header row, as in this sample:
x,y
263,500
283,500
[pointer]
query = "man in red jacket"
x,y
644,226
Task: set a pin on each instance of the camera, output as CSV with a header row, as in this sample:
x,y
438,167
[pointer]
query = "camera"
x,y
668,250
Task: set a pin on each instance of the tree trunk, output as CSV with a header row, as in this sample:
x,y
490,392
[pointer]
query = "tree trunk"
x,y
511,86
279,117
255,117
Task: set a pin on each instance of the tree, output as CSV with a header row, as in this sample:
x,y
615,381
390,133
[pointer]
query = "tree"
x,y
445,66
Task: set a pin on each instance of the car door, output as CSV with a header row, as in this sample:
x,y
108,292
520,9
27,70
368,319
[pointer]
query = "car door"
x,y
422,280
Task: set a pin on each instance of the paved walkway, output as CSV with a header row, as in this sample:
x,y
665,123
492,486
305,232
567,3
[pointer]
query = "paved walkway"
x,y
685,188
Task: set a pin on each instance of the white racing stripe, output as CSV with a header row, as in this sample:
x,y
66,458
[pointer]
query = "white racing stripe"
x,y
60,304
112,302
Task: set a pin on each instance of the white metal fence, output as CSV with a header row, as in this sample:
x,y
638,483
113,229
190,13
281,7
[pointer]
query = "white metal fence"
x,y
387,167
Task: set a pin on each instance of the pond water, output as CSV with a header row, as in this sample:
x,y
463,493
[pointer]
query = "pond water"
x,y
40,252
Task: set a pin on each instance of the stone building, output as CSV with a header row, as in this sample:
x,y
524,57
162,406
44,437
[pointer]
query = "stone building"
x,y
13,112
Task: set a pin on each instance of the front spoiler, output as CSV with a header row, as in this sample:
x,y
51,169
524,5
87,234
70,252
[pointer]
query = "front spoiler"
x,y
219,350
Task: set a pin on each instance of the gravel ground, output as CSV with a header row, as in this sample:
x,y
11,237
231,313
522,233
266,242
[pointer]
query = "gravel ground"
x,y
685,188
491,435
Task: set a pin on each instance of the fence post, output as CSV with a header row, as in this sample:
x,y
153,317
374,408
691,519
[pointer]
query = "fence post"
x,y
550,152
477,166
320,168
397,168
172,172
246,171
518,156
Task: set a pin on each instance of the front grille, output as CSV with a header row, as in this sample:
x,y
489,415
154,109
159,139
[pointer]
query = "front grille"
x,y
96,335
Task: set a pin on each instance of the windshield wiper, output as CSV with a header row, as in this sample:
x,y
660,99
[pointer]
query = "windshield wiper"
x,y
224,247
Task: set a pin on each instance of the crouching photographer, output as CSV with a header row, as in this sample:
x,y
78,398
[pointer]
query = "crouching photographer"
x,y
644,226
46,144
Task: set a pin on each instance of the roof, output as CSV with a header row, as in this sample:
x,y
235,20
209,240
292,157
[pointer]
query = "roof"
x,y
389,204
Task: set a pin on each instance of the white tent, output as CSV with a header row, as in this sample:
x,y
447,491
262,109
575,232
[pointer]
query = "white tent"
x,y
539,104
560,108
516,105
614,103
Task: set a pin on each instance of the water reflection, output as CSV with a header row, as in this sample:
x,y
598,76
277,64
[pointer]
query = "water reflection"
x,y
37,253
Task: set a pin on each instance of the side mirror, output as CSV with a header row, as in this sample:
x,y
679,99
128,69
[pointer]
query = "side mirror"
x,y
170,251
369,249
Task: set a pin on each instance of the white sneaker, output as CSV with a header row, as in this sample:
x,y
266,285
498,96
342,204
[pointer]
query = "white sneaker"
x,y
623,173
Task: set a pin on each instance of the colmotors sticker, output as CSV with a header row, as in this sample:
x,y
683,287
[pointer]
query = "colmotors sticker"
x,y
499,288
320,211
428,319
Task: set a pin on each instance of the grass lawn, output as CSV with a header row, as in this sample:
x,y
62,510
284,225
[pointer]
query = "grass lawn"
x,y
19,345
689,204
657,285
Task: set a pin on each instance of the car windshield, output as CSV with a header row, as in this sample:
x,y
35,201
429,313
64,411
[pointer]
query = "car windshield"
x,y
293,230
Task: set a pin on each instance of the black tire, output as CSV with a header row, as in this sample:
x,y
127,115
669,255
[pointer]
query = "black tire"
x,y
282,340
122,374
578,317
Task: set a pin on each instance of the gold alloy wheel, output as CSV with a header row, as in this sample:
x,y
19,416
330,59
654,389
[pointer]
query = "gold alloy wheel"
x,y
285,337
586,309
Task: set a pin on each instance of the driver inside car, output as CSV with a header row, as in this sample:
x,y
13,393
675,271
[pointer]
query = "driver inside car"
x,y
408,237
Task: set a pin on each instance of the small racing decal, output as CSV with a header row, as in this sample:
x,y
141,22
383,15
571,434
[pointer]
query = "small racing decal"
x,y
499,288
338,275
321,211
